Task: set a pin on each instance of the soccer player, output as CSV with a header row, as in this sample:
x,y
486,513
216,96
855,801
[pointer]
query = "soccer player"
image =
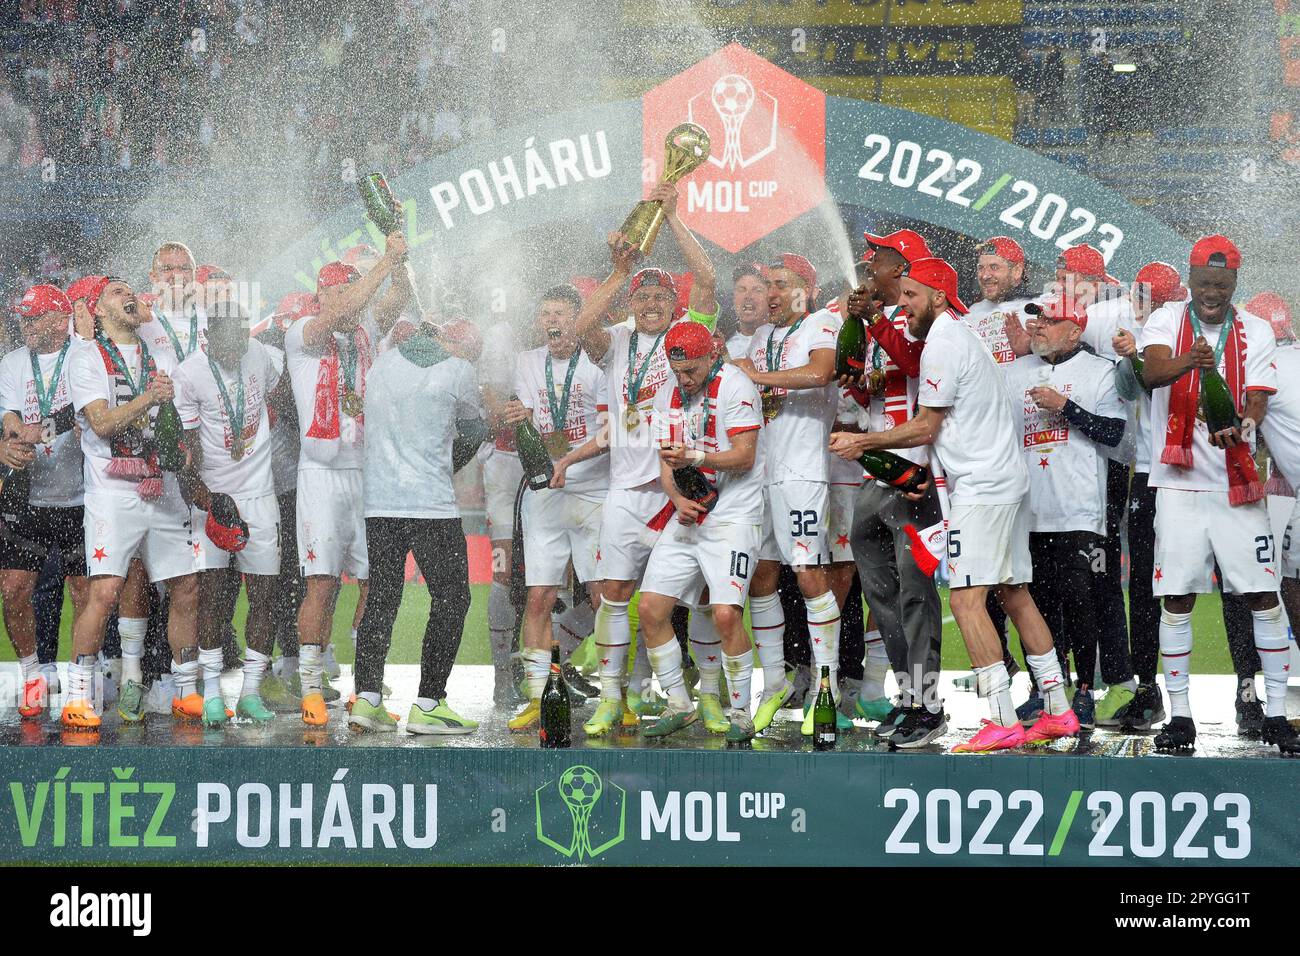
x,y
1066,412
792,360
424,421
328,356
749,299
563,392
131,507
636,367
1281,430
709,419
222,402
1210,503
965,414
39,437
1000,270
178,318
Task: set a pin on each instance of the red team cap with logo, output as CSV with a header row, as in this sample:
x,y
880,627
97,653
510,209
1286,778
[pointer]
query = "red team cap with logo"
x,y
937,274
336,273
1004,247
1059,311
94,289
688,340
798,265
1083,260
905,242
1164,281
40,299
210,273
292,308
653,277
1272,308
82,288
1218,251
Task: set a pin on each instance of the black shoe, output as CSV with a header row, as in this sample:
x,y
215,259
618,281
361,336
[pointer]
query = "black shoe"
x,y
1144,711
1250,714
1177,735
1278,730
919,728
893,721
577,683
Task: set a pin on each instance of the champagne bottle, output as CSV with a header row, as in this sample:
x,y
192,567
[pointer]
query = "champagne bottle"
x,y
1136,361
536,460
381,207
1216,402
169,436
554,730
851,347
824,734
691,482
894,470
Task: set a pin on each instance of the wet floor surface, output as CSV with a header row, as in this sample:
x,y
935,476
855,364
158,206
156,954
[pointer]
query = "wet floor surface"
x,y
470,693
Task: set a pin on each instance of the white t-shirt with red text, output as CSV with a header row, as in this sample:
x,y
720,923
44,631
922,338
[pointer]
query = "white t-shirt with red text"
x,y
56,470
582,417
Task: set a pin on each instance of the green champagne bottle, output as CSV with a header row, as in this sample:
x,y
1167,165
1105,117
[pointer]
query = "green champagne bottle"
x,y
1216,402
1137,363
894,470
380,205
554,729
824,735
851,348
538,470
690,481
169,436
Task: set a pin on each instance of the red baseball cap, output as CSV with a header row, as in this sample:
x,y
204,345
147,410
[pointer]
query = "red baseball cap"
x,y
40,299
866,256
1083,260
1216,250
937,274
208,273
83,287
1058,310
905,242
657,277
1272,308
463,334
336,273
292,308
1003,246
688,340
95,289
798,265
1163,281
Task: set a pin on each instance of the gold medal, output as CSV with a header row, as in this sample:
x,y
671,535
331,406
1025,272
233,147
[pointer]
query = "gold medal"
x,y
632,418
48,430
351,404
237,448
142,422
876,381
771,405
557,445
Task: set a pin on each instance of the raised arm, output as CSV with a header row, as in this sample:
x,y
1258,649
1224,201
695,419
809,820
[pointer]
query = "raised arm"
x,y
591,332
704,298
340,314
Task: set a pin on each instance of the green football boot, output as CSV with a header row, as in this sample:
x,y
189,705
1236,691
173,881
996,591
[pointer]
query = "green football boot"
x,y
441,720
130,702
252,708
709,710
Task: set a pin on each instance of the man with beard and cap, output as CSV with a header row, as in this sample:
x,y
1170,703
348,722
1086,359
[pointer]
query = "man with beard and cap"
x,y
964,413
39,438
328,357
222,403
1067,412
563,393
1210,503
792,361
131,506
749,300
1000,271
636,367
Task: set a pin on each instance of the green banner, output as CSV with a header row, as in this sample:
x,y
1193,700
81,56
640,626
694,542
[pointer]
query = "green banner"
x,y
682,808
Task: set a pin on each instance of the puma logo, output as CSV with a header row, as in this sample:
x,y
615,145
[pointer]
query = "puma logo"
x,y
749,405
933,384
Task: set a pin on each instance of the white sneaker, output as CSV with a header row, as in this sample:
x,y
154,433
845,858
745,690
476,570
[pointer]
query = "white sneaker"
x,y
158,699
51,674
331,663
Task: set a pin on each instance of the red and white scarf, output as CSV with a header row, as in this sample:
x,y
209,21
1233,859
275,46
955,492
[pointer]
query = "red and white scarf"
x,y
662,516
325,418
134,457
1244,485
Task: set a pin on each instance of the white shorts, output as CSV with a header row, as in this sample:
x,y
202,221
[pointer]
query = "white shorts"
x,y
1194,529
121,527
560,526
840,522
625,536
1291,544
502,474
795,523
331,523
989,545
720,557
261,555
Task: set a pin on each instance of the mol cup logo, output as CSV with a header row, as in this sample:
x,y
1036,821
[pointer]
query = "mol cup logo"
x,y
767,164
580,815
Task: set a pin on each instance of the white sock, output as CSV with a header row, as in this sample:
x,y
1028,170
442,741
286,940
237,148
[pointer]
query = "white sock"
x,y
288,666
740,671
1274,656
428,703
613,635
370,697
571,626
311,668
824,633
767,619
185,676
994,685
641,667
210,666
666,662
1175,660
1046,669
80,678
1130,684
31,667
255,665
537,665
132,631
874,668
328,654
706,648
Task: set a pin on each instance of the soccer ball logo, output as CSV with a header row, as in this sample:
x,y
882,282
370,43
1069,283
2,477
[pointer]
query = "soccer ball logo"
x,y
733,95
580,787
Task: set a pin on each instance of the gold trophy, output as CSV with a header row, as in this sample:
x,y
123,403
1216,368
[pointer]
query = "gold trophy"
x,y
685,149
